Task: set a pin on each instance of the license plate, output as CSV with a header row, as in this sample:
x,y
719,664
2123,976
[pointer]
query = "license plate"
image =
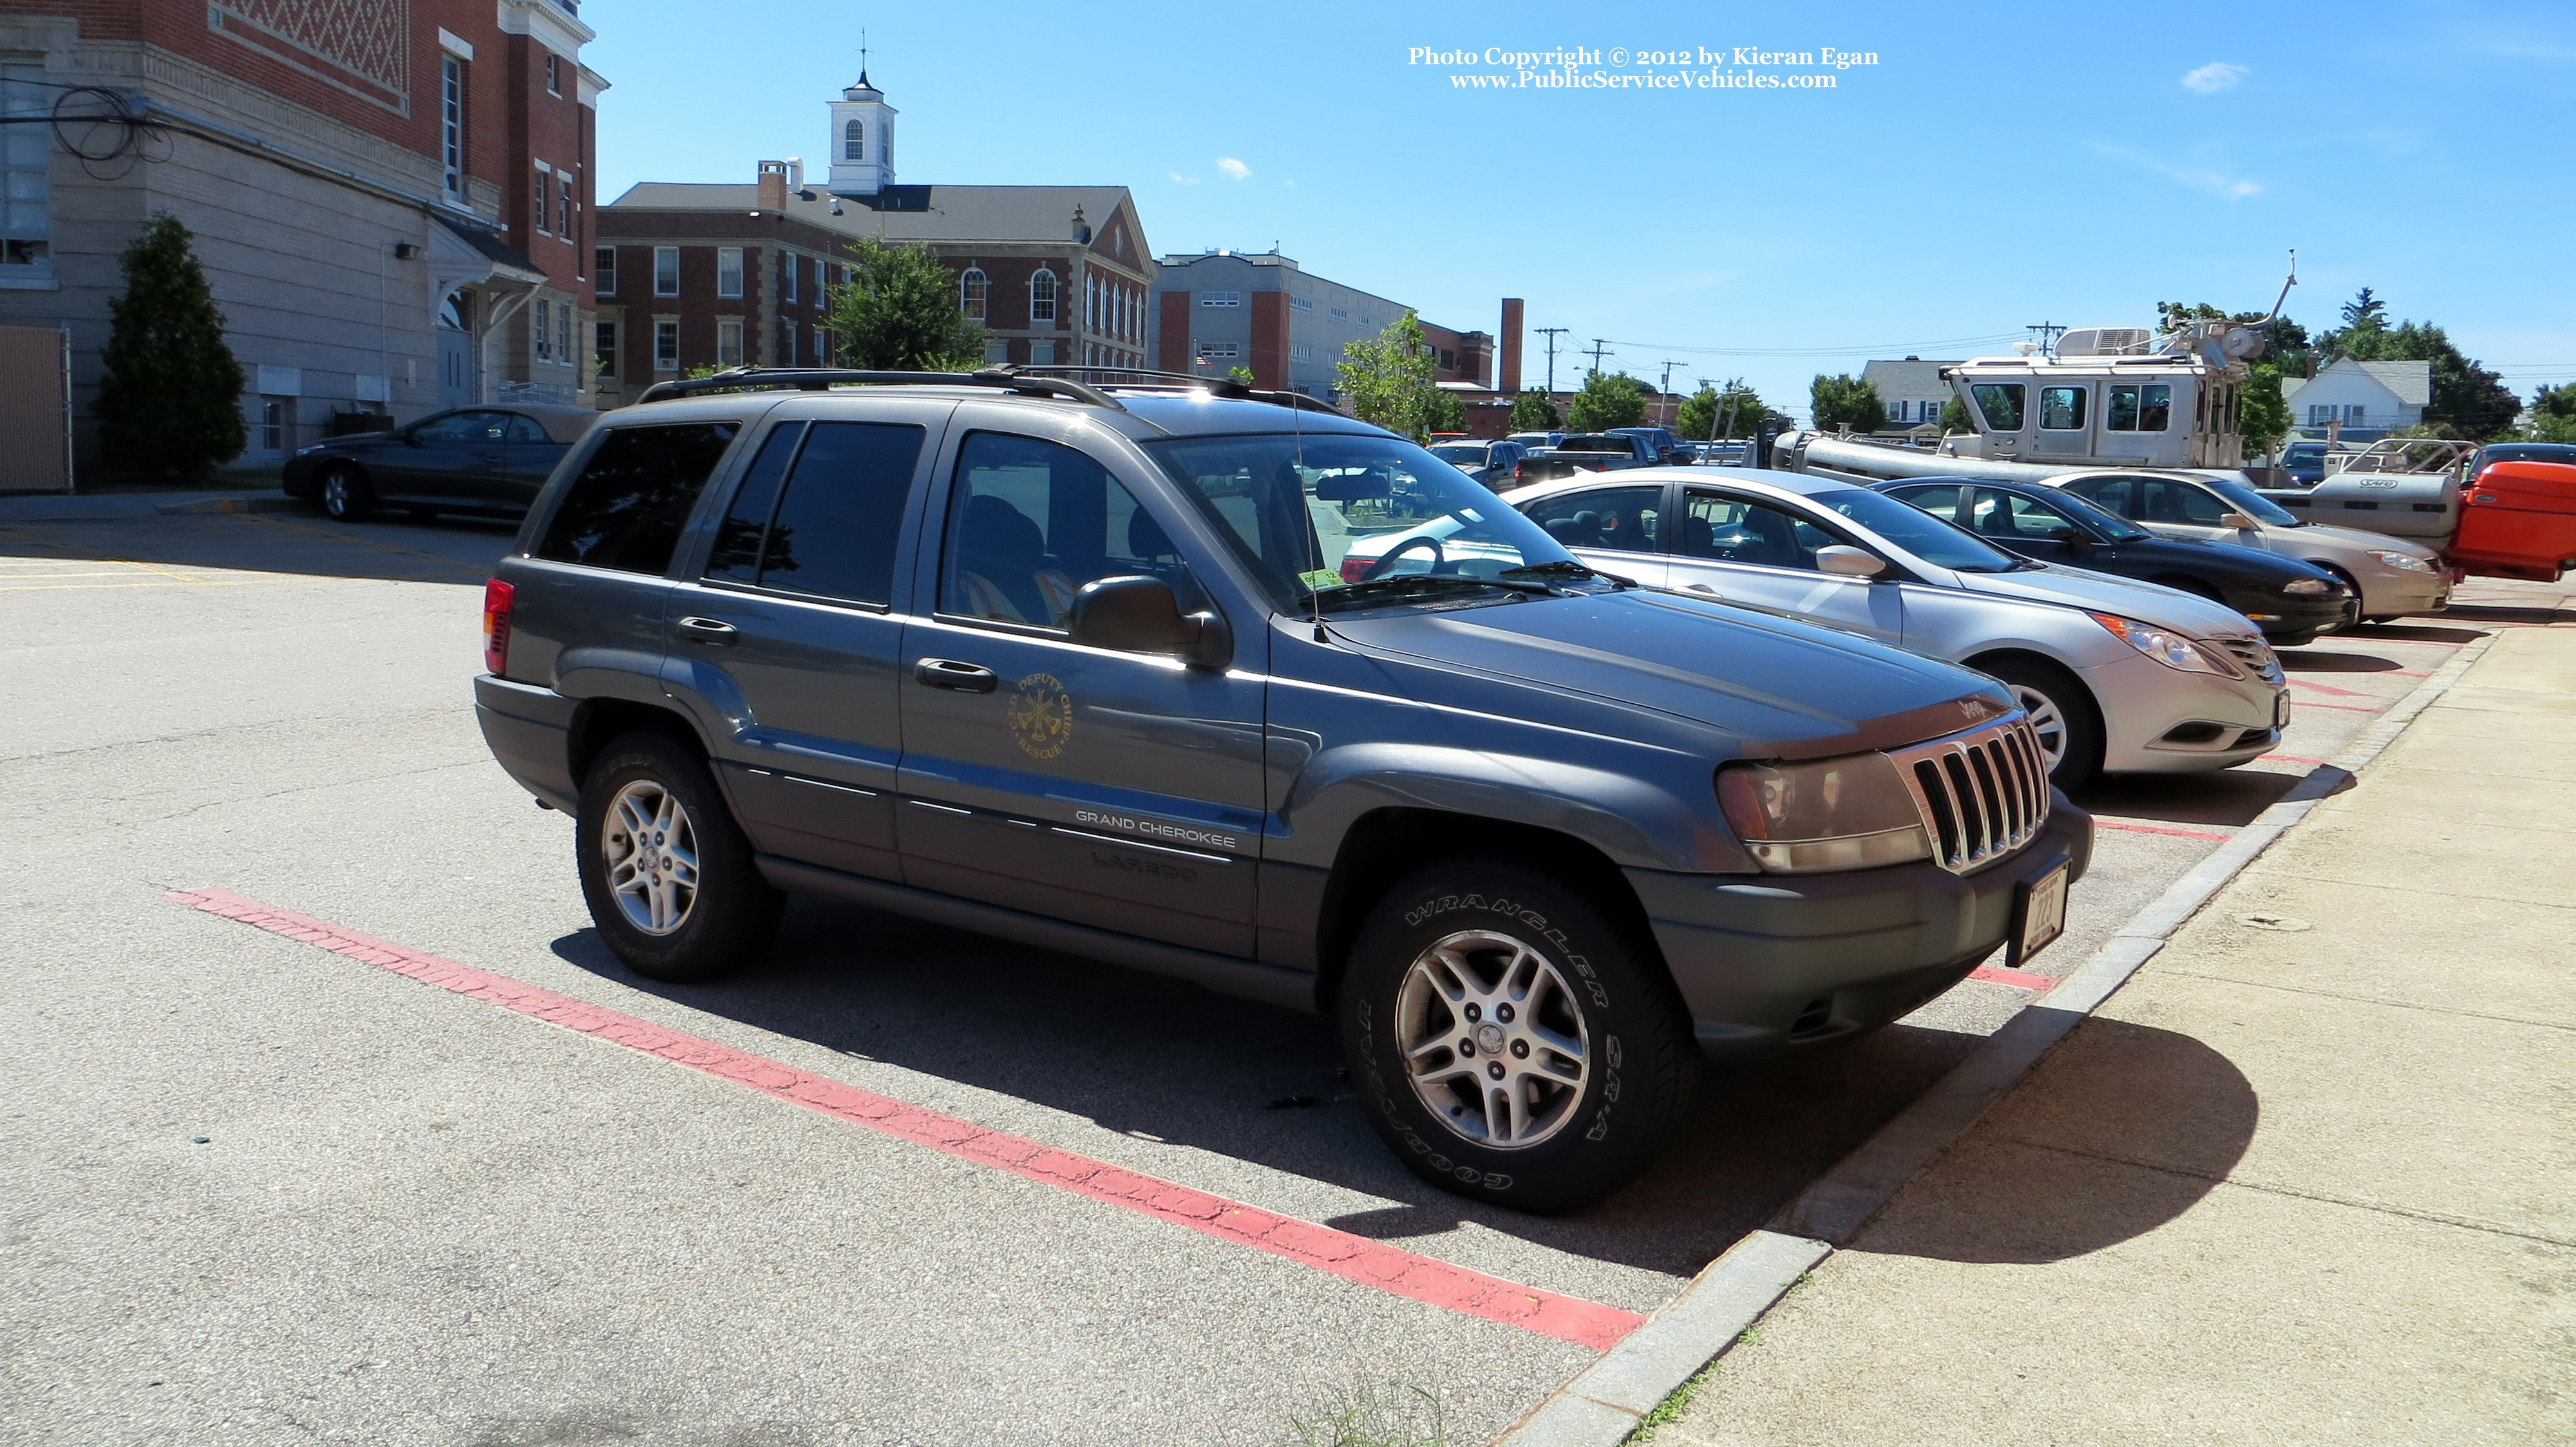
x,y
2042,914
2281,711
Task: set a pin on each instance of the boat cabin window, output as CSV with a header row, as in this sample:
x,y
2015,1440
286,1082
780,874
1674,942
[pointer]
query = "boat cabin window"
x,y
2061,409
2140,407
2001,404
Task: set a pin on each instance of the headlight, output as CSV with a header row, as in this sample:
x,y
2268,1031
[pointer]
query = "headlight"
x,y
2164,645
2312,587
309,451
1848,813
2403,562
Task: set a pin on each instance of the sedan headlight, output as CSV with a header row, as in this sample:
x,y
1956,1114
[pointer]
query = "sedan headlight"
x,y
2164,645
1853,812
2312,587
2403,562
309,451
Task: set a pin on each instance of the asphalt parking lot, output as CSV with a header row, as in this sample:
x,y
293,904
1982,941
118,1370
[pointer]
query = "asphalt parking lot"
x,y
258,1189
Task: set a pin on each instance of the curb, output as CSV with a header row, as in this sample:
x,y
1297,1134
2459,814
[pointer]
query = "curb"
x,y
125,506
1609,1399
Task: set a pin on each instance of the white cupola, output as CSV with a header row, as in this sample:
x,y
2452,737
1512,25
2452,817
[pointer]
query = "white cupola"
x,y
862,141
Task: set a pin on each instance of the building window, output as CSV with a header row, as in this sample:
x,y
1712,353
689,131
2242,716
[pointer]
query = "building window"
x,y
1301,303
563,204
554,74
1041,354
1091,303
1221,351
603,269
1340,315
728,341
822,347
787,343
563,333
788,271
728,271
26,209
666,344
854,141
822,295
1367,321
973,292
541,334
2353,414
1042,297
604,349
666,271
1220,298
451,125
545,201
1300,352
272,425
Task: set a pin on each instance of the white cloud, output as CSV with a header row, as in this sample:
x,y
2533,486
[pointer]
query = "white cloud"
x,y
2216,76
1233,168
2217,183
1185,180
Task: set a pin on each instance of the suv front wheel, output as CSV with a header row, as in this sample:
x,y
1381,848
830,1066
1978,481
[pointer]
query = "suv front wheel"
x,y
1510,1041
668,875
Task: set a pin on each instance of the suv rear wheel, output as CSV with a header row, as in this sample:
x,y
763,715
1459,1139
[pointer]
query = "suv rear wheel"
x,y
1511,1042
668,875
346,497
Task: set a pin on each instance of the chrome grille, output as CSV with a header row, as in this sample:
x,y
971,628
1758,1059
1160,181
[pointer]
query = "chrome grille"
x,y
1981,794
2253,655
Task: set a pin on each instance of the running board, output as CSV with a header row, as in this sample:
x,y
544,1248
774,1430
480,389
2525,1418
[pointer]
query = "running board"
x,y
1248,979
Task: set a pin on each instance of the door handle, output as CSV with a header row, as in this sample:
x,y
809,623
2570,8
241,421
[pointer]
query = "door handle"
x,y
950,674
708,630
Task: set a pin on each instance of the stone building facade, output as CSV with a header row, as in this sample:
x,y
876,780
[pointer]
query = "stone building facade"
x,y
726,274
1219,310
392,198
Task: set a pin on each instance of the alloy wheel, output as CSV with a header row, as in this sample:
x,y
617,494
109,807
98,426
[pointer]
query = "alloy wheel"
x,y
651,850
1493,1043
2047,720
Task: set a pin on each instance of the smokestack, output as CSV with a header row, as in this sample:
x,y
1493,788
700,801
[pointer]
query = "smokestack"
x,y
1511,342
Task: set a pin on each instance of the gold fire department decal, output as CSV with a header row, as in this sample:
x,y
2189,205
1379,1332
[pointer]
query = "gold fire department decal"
x,y
1041,716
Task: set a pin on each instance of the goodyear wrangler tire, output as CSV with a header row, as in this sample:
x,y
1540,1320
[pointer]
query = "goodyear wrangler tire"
x,y
1511,1041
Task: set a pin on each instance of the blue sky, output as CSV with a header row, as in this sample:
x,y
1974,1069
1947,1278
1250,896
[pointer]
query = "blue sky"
x,y
1997,166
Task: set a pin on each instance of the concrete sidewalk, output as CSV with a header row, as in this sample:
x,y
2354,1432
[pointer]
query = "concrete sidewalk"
x,y
2305,1179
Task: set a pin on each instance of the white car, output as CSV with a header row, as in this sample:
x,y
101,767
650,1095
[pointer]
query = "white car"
x,y
2118,676
2390,577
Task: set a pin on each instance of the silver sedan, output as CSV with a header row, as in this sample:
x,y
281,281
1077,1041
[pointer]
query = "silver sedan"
x,y
2118,676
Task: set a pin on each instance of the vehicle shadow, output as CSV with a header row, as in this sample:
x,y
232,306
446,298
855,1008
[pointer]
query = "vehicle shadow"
x,y
2123,1129
2311,660
1136,1053
2413,632
2229,796
449,550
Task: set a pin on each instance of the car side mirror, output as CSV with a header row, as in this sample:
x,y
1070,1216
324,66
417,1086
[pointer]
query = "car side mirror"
x,y
1849,562
2072,537
2238,521
1142,614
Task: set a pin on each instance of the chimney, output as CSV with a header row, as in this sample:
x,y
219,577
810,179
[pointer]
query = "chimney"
x,y
773,186
1511,341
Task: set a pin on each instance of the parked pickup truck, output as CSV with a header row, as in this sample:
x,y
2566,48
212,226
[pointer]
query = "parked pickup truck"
x,y
1588,452
1084,669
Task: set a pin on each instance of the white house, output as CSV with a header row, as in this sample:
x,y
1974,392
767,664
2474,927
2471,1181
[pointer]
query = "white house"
x,y
2361,399
1912,389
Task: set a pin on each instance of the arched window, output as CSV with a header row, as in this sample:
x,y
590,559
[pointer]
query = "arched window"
x,y
854,141
971,288
1042,296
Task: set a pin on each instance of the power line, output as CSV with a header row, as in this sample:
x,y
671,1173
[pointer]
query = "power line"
x,y
1551,333
1901,348
1598,347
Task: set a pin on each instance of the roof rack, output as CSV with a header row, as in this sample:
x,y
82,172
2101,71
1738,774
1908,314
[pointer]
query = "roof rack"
x,y
816,379
1225,387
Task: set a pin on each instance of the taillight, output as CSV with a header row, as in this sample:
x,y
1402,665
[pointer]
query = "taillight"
x,y
1355,570
496,626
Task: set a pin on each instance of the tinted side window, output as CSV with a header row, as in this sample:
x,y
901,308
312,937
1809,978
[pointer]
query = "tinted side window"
x,y
2117,494
633,496
455,427
525,429
736,554
1941,502
1732,530
2061,409
1628,519
1030,522
835,531
2180,502
2001,402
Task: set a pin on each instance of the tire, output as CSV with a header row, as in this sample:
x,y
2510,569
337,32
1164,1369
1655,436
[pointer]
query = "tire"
x,y
346,496
671,911
1589,1120
2352,606
2061,708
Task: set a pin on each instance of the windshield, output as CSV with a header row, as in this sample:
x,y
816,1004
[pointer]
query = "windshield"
x,y
1334,521
1942,544
2114,526
1465,454
2251,503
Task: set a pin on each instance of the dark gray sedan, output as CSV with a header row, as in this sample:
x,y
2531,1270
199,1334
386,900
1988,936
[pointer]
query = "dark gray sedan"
x,y
488,461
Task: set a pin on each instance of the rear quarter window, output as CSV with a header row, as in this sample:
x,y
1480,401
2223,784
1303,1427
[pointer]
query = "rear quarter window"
x,y
634,495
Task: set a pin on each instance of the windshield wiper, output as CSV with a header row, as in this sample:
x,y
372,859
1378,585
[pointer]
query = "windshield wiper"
x,y
1566,568
1422,583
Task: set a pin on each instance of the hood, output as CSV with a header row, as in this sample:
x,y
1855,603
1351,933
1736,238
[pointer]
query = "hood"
x,y
2357,538
1785,689
2101,593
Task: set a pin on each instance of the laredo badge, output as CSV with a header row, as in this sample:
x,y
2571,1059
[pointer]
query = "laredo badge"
x,y
1041,715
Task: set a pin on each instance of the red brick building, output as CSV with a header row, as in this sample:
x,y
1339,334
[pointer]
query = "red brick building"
x,y
729,274
392,199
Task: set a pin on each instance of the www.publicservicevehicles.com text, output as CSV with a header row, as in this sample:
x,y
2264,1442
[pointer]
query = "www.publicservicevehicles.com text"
x,y
1617,67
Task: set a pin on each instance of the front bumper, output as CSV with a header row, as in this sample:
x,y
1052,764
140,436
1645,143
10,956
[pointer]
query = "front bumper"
x,y
2286,617
2389,593
1773,962
2159,720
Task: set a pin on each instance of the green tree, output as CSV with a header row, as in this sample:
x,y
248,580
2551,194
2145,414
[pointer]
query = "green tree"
x,y
2553,414
1734,410
1846,401
1955,417
1697,419
899,312
1243,375
1535,411
1608,399
2262,418
2365,312
2469,400
1444,413
1389,379
170,401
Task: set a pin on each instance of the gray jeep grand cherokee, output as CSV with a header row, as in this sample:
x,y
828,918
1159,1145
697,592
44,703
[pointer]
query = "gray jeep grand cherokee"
x,y
1116,671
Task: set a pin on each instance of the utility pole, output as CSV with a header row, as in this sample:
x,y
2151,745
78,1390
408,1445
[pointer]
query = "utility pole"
x,y
1599,345
1551,333
1663,390
2049,332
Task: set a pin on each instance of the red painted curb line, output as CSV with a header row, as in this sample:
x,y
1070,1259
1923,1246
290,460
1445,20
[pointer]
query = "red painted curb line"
x,y
2330,688
2019,979
2346,707
2128,828
1353,1258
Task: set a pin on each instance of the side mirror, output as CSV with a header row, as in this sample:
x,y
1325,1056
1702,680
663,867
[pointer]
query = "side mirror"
x,y
2072,537
409,436
1139,614
1849,562
2238,521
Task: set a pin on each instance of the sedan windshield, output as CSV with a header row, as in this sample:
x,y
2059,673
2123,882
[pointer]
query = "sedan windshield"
x,y
1942,544
2117,528
2251,503
1331,522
